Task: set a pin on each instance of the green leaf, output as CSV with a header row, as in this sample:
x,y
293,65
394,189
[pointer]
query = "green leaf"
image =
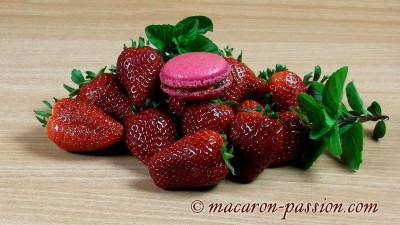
x,y
203,44
160,35
354,99
375,109
333,92
352,138
334,145
317,115
204,24
314,149
186,33
306,79
316,89
379,130
77,77
317,73
42,113
47,104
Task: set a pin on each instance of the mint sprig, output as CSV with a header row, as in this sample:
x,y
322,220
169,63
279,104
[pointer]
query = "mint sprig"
x,y
334,128
186,36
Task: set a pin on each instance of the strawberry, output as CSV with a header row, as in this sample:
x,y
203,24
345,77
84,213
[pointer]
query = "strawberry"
x,y
103,90
249,105
256,137
284,86
138,69
295,136
79,126
244,82
176,106
197,160
207,116
147,132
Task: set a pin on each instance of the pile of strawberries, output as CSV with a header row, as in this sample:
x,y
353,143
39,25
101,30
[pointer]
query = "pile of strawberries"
x,y
185,144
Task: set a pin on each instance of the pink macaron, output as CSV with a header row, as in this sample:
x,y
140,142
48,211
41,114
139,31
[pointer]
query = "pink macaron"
x,y
196,76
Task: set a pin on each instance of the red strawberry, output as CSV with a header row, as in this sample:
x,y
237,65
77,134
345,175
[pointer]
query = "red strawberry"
x,y
284,86
79,126
244,82
295,134
207,116
176,106
197,160
249,105
104,91
256,137
147,132
138,71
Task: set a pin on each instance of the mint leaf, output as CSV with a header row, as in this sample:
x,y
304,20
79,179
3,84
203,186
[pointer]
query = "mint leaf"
x,y
375,109
354,99
315,89
160,35
204,24
379,130
334,145
203,44
312,152
333,91
351,136
317,115
317,73
186,33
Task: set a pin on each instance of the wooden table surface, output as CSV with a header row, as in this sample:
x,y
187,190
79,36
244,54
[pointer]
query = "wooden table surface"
x,y
42,41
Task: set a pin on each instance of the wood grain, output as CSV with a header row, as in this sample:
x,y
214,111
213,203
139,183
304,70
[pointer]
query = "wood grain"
x,y
42,41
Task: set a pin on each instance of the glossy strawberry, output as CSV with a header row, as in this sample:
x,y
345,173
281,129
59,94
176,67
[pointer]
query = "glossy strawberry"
x,y
295,136
138,71
248,105
207,116
147,132
176,106
256,137
78,126
104,91
244,82
284,86
197,160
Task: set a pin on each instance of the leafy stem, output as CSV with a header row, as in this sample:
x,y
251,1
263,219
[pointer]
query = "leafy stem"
x,y
363,118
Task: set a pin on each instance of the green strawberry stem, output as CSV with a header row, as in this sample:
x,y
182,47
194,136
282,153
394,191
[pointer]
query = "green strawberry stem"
x,y
227,155
78,78
43,116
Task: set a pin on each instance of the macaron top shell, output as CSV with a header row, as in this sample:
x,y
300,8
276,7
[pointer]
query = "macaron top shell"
x,y
194,69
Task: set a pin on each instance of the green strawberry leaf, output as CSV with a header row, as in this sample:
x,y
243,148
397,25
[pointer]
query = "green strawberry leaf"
x,y
307,78
317,115
351,136
160,35
375,109
204,24
379,130
333,91
77,77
